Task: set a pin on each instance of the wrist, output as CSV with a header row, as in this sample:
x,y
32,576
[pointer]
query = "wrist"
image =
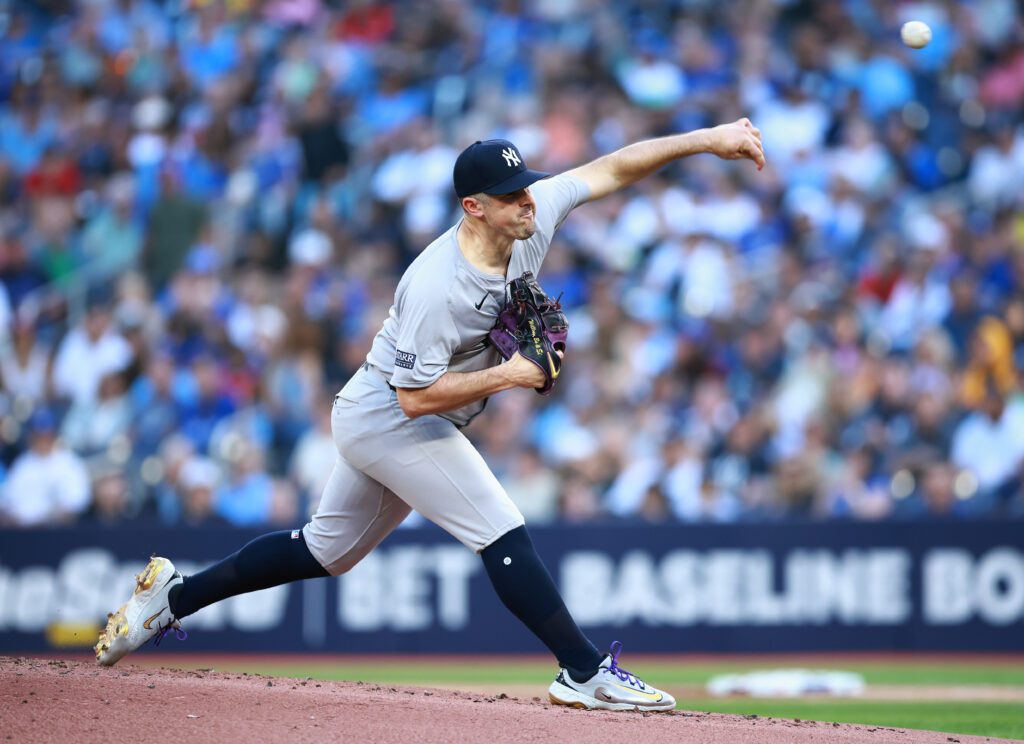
x,y
701,140
505,377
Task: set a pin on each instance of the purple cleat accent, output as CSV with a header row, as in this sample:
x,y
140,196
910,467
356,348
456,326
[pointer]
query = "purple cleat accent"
x,y
179,633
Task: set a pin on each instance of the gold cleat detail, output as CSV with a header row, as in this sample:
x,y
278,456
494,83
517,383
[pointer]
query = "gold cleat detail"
x,y
556,701
120,622
145,579
116,625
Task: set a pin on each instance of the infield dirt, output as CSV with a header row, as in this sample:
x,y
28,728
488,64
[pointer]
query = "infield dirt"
x,y
51,700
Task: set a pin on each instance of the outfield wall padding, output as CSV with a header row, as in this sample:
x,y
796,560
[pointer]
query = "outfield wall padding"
x,y
709,588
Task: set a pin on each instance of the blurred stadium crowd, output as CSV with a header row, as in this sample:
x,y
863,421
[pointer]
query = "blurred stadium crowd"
x,y
205,206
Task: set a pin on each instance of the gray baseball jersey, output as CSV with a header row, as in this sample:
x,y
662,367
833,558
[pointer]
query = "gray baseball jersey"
x,y
388,463
444,306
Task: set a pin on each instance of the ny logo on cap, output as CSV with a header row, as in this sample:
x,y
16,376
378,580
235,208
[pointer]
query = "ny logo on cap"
x,y
511,157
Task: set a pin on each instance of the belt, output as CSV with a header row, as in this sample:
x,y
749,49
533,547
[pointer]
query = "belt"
x,y
368,368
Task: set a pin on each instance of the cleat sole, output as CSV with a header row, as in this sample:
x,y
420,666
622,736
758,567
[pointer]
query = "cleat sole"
x,y
116,625
572,699
556,701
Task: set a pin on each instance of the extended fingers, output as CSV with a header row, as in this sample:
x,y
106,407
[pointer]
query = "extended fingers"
x,y
751,147
755,150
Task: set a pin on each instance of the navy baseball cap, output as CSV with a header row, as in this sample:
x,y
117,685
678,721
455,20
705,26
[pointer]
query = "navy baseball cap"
x,y
492,167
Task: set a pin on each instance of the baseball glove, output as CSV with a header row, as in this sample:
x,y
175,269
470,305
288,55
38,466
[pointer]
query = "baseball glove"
x,y
534,325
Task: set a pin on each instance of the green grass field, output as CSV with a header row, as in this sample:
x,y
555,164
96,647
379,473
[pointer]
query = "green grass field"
x,y
979,717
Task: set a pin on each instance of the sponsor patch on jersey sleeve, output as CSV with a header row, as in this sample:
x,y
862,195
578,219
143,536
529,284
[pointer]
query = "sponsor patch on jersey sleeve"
x,y
404,359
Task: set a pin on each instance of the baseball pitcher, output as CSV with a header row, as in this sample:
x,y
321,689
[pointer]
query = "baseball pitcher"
x,y
469,320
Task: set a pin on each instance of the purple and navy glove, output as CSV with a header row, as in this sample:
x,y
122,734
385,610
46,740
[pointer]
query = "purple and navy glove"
x,y
534,325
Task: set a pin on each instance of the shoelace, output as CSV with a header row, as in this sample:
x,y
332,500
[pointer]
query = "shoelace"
x,y
179,633
622,674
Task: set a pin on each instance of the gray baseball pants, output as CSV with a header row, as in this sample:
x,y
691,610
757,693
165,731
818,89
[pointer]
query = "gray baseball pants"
x,y
389,464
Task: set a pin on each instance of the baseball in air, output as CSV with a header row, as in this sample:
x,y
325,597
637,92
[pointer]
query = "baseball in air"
x,y
916,34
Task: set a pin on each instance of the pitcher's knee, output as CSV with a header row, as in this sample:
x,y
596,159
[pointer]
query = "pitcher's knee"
x,y
335,559
343,565
324,548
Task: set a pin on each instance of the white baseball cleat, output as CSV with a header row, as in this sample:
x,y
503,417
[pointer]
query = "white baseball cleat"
x,y
147,614
611,688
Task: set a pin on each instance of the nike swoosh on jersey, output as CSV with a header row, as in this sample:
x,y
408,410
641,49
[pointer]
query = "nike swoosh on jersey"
x,y
481,303
151,619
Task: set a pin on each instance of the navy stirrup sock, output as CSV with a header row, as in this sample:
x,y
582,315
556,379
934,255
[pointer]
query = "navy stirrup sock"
x,y
269,560
526,588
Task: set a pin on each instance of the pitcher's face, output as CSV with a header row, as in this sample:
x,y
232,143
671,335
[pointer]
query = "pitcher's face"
x,y
512,214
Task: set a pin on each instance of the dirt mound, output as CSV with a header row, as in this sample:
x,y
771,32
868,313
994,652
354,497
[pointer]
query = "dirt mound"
x,y
52,700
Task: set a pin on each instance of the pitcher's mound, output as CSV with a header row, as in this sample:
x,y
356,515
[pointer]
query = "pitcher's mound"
x,y
44,701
